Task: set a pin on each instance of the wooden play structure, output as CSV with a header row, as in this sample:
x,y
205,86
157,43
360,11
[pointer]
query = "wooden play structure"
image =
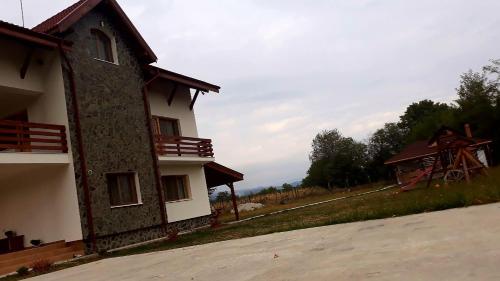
x,y
448,155
456,157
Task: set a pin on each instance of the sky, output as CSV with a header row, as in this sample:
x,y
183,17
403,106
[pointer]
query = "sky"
x,y
290,69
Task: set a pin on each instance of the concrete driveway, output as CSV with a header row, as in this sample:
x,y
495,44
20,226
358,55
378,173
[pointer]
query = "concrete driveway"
x,y
459,244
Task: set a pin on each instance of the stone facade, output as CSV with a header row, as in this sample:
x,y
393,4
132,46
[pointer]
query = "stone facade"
x,y
114,133
191,224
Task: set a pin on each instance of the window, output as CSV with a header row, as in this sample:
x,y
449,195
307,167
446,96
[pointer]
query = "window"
x,y
102,46
167,126
122,189
175,187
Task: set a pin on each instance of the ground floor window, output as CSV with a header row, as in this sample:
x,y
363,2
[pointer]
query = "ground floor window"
x,y
175,187
122,188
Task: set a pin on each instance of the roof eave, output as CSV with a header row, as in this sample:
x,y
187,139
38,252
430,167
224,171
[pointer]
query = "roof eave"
x,y
183,79
33,37
409,158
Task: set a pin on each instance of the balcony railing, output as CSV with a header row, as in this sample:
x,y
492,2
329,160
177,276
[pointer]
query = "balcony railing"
x,y
18,136
183,146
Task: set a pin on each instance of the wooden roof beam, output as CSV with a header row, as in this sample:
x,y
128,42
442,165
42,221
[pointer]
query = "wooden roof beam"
x,y
191,106
26,63
172,94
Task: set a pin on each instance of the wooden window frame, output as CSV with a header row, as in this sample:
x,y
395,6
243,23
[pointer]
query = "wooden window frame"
x,y
187,188
156,124
98,34
134,183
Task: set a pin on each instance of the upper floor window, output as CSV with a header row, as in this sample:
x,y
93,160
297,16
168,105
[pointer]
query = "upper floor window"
x,y
103,48
166,126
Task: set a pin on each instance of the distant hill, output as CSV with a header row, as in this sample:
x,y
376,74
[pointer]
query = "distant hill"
x,y
253,190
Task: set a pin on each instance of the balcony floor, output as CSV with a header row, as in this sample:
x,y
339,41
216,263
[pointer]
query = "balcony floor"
x,y
33,158
167,160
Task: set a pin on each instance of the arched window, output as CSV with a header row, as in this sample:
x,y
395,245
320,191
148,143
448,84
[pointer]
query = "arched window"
x,y
102,43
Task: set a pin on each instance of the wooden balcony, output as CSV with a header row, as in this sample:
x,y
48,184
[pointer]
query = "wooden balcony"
x,y
18,136
183,146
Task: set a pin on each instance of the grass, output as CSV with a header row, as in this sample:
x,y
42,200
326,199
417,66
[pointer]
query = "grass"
x,y
316,194
385,204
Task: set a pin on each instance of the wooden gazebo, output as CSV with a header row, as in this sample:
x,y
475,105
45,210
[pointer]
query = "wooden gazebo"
x,y
217,175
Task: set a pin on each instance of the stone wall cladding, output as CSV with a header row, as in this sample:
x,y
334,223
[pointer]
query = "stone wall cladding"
x,y
136,236
190,224
114,131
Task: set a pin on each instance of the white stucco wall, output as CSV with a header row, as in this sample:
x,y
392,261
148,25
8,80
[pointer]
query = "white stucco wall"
x,y
198,205
179,109
12,56
42,202
50,107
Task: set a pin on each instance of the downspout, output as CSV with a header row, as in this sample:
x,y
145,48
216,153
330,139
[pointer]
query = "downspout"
x,y
81,152
156,166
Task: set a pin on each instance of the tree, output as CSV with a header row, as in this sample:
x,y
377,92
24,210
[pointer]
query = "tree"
x,y
493,70
223,196
268,190
286,187
336,161
478,97
325,144
416,111
382,145
421,119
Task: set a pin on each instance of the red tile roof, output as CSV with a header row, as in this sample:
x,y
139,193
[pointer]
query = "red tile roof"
x,y
52,22
183,79
67,17
415,150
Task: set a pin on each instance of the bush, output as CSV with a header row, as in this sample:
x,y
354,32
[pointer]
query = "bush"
x,y
41,266
23,271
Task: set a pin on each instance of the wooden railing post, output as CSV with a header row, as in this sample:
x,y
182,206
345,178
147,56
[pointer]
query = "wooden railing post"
x,y
20,138
64,140
178,147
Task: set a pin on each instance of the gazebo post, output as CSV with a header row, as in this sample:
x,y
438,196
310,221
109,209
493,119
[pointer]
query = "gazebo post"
x,y
233,198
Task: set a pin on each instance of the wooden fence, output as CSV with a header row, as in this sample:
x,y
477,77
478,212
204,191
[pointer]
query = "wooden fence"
x,y
275,198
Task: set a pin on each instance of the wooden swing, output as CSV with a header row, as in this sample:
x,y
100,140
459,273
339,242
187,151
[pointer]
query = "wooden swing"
x,y
456,148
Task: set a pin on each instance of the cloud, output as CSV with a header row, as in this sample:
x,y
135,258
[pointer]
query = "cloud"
x,y
281,125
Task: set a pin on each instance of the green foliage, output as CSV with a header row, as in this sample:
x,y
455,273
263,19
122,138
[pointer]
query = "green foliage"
x,y
337,161
382,145
269,190
477,97
223,196
287,187
422,109
422,119
428,124
23,271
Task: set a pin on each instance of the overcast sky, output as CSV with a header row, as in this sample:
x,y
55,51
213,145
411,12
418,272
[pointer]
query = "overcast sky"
x,y
289,69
